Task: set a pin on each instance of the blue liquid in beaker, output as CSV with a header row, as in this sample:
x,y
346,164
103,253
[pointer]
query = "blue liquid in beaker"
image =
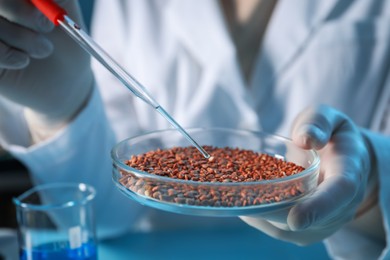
x,y
60,251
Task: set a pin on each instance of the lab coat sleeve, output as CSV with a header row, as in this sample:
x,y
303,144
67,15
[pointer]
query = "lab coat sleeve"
x,y
81,153
348,243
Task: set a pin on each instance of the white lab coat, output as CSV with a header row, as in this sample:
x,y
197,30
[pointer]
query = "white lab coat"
x,y
325,51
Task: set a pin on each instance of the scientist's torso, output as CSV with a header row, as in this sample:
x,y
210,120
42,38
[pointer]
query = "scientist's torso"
x,y
312,52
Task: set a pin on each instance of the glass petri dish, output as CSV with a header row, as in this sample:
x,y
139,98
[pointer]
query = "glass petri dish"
x,y
268,198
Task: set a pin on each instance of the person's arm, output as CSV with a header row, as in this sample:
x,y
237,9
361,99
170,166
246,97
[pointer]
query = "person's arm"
x,y
80,152
55,92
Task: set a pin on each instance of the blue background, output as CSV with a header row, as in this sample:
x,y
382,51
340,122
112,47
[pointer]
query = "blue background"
x,y
87,6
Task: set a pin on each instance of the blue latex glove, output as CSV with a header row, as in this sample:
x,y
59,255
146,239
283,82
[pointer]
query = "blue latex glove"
x,y
41,67
346,159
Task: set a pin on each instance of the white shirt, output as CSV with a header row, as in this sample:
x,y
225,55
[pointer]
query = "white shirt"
x,y
332,52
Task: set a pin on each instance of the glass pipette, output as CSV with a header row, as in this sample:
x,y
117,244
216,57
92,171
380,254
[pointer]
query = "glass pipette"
x,y
58,16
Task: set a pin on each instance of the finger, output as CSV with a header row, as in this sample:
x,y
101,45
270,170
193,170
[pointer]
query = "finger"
x,y
11,58
26,15
343,166
264,226
23,39
314,127
301,238
338,195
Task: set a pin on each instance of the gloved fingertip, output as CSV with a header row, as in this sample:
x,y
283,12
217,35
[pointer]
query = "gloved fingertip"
x,y
311,136
17,60
298,226
298,220
42,49
44,25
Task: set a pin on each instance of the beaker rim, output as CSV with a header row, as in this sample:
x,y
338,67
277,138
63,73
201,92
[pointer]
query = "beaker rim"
x,y
90,193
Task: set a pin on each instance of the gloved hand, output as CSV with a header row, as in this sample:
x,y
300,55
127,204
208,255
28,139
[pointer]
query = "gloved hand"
x,y
345,169
41,67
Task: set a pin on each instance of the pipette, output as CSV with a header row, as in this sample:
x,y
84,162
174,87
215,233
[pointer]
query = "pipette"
x,y
59,17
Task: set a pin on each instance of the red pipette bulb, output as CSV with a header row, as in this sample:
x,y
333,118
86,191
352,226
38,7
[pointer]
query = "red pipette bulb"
x,y
50,9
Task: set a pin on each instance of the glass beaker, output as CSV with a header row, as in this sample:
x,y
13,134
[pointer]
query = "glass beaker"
x,y
56,221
